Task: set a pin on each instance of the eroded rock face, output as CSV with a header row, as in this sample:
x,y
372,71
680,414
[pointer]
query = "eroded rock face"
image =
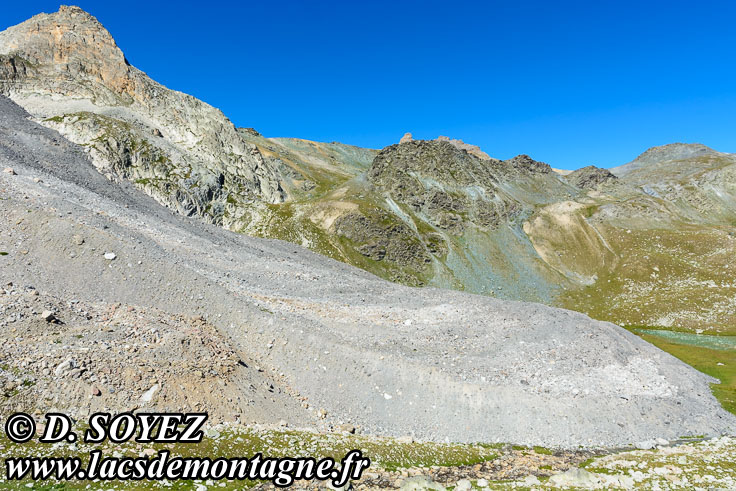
x,y
67,71
65,48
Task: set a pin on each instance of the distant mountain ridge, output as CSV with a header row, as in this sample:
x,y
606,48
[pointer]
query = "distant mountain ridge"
x,y
664,153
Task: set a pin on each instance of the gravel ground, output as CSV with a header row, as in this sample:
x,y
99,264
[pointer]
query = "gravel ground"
x,y
84,358
392,360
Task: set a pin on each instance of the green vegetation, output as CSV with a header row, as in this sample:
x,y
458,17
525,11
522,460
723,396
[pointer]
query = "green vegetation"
x,y
543,451
589,211
680,277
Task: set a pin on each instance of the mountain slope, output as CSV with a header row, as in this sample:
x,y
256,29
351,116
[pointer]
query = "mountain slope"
x,y
335,343
670,226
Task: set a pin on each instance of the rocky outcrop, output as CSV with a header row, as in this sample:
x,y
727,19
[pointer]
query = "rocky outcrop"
x,y
590,177
380,237
450,186
66,64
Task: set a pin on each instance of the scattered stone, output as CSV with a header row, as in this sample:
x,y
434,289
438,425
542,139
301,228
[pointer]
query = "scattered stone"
x,y
9,170
148,395
48,316
346,428
528,481
212,433
646,444
463,485
96,391
419,483
575,477
110,256
64,367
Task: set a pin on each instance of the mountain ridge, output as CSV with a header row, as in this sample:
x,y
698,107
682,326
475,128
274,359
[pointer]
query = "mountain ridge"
x,y
442,213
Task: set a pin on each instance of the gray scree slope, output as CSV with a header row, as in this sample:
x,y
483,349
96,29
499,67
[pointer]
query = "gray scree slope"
x,y
432,363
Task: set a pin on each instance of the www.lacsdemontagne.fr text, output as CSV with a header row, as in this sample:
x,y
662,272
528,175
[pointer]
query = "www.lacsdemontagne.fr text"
x,y
159,428
281,471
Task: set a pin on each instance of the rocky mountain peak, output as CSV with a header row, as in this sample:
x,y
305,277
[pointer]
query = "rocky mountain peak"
x,y
437,159
73,44
72,10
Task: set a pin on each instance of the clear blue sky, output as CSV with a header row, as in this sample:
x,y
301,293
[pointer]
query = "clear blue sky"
x,y
569,83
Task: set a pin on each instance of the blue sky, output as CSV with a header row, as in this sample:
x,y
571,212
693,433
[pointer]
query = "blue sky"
x,y
569,83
